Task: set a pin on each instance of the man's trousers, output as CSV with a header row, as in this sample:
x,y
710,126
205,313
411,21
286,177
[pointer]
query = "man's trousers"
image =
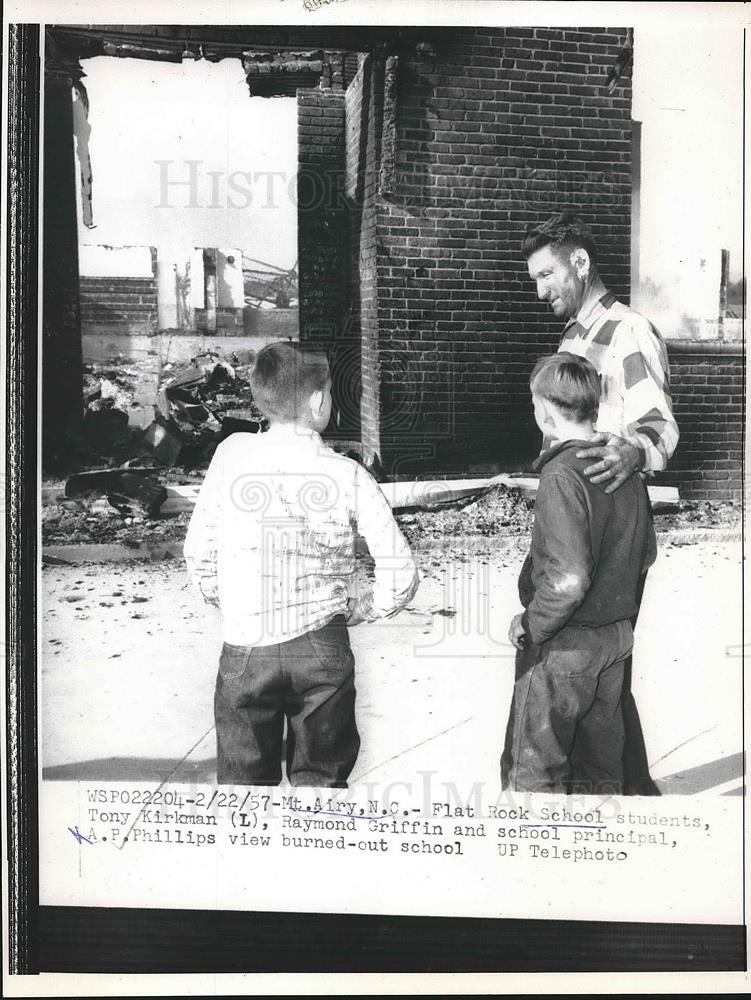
x,y
636,776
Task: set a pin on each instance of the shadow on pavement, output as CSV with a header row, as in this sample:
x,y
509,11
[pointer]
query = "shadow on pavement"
x,y
135,769
704,777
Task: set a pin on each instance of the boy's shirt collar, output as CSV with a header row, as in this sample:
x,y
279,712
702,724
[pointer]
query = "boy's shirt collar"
x,y
294,432
556,449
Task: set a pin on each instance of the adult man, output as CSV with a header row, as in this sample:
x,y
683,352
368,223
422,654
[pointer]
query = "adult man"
x,y
636,427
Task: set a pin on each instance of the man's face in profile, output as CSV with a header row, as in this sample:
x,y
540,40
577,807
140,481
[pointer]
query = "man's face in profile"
x,y
557,282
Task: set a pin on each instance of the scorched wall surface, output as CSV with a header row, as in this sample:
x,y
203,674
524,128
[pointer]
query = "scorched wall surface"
x,y
494,130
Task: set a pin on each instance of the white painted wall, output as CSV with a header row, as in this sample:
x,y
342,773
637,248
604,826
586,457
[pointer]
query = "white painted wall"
x,y
115,262
688,78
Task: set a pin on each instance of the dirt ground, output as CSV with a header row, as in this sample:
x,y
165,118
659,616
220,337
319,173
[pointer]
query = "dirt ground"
x,y
129,654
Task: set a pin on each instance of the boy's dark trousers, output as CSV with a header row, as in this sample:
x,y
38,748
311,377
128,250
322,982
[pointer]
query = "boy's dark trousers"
x,y
565,731
310,680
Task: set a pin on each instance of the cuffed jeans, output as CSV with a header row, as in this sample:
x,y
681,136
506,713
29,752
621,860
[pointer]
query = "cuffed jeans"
x,y
565,731
310,680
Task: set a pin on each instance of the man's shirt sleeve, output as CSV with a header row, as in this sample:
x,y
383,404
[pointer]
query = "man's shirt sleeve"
x,y
647,405
396,576
562,564
202,539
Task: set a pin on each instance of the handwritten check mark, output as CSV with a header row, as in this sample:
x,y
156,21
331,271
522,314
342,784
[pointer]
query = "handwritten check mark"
x,y
79,836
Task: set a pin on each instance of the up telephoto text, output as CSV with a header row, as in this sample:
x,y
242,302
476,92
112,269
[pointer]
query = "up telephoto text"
x,y
252,819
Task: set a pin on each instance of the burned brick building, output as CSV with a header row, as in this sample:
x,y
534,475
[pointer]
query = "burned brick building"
x,y
423,153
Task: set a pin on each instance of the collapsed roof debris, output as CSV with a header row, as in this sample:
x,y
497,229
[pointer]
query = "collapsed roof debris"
x,y
194,406
200,404
107,394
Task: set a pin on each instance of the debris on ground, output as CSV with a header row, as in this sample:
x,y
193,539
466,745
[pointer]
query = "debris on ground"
x,y
113,384
176,415
199,404
499,511
164,443
189,408
460,526
80,524
700,514
108,393
112,408
127,490
145,431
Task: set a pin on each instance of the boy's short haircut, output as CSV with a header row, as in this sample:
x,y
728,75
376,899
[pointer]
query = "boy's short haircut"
x,y
570,382
284,377
563,231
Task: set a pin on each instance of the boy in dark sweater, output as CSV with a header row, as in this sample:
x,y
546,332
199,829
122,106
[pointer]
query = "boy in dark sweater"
x,y
579,586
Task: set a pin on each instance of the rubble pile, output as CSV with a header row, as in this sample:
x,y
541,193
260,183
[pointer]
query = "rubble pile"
x,y
700,514
148,435
115,381
108,392
192,407
200,404
127,490
96,523
127,462
498,511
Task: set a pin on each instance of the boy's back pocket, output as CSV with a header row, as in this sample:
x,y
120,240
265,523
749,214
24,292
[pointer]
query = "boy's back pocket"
x,y
234,661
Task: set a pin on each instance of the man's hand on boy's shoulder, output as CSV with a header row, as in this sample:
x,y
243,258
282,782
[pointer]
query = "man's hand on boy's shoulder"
x,y
618,460
516,631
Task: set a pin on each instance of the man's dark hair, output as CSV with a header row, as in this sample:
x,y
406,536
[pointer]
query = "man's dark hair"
x,y
569,382
563,230
284,377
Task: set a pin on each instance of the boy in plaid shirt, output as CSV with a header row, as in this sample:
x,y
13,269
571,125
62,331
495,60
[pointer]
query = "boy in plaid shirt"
x,y
272,543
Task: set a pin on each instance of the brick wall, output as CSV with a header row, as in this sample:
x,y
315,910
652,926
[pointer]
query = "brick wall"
x,y
323,249
363,121
494,130
356,106
707,384
118,305
322,220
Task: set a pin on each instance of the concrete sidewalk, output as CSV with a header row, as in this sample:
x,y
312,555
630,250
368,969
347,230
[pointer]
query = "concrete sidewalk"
x,y
129,655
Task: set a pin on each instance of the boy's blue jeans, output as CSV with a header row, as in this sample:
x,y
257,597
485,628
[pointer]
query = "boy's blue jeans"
x,y
565,731
310,680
